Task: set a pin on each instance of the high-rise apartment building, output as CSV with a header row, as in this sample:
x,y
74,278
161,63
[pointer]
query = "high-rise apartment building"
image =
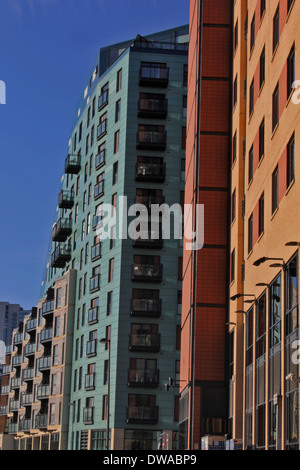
x,y
264,227
204,357
10,317
91,365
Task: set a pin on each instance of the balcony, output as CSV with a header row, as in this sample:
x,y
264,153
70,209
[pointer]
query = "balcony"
x,y
15,383
46,335
3,410
153,107
155,172
12,428
144,342
24,425
17,361
62,230
26,399
29,349
91,348
100,160
43,391
18,338
8,349
48,308
61,256
88,415
95,283
142,414
28,374
149,242
103,100
143,378
146,307
73,164
147,272
96,252
31,325
101,129
90,381
93,315
151,140
154,75
41,421
99,190
66,199
44,363
4,389
14,405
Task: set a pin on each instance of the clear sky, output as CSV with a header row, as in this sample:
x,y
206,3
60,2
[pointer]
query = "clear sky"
x,y
47,48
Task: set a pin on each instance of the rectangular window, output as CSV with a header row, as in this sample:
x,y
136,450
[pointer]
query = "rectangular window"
x,y
185,75
118,111
275,107
251,98
250,233
111,270
55,355
109,303
290,72
235,91
261,216
56,326
234,148
233,206
116,141
184,106
250,165
236,34
262,7
262,139
58,298
232,266
252,33
262,67
275,190
115,173
119,80
290,173
276,29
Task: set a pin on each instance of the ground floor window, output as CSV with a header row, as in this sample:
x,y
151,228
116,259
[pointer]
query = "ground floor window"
x,y
141,440
54,441
98,440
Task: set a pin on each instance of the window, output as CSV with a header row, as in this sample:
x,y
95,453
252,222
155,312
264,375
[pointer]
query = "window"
x,y
111,270
261,327
290,3
184,106
232,266
276,29
250,165
262,67
91,164
87,144
250,233
88,117
262,139
84,201
275,190
116,141
261,215
80,132
58,298
118,111
103,98
55,355
109,303
275,107
182,170
53,384
119,80
233,206
290,72
105,374
290,173
235,91
94,107
251,97
183,137
234,148
262,7
236,34
275,311
56,326
185,75
115,173
252,33
86,172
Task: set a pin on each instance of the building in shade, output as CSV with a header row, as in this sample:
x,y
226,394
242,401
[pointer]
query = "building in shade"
x,y
204,352
10,317
264,221
127,140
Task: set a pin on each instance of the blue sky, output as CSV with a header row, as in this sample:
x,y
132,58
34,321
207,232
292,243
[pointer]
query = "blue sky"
x,y
47,48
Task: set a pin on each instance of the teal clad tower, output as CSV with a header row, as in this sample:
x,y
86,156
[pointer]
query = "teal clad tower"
x,y
127,141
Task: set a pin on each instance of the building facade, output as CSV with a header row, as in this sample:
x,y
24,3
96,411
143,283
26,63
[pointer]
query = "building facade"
x,y
204,351
10,317
265,231
35,392
128,141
